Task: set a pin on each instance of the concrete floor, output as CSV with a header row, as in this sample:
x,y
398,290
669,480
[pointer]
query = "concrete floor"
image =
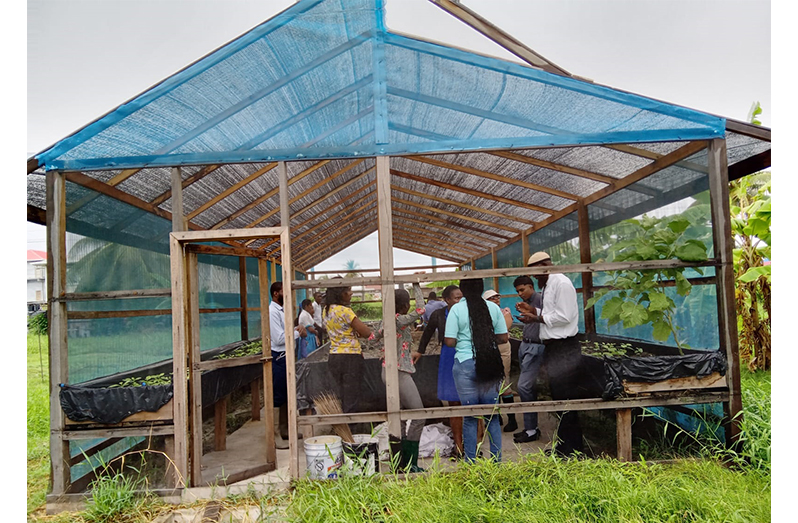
x,y
246,450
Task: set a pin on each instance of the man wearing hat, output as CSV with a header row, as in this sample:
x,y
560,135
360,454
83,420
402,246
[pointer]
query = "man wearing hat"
x,y
559,325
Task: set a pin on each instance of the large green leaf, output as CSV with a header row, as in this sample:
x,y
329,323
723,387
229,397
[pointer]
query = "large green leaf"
x,y
661,330
633,314
754,273
683,286
659,301
678,226
692,250
611,308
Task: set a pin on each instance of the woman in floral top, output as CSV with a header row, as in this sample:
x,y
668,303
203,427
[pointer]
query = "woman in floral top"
x,y
345,362
409,397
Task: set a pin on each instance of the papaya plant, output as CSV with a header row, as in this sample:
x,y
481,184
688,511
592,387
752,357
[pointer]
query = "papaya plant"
x,y
639,295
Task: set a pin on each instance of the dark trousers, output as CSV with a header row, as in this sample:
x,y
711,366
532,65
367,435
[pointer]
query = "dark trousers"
x,y
279,385
571,376
346,371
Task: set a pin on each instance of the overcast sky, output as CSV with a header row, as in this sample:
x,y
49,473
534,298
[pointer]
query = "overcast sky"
x,y
85,57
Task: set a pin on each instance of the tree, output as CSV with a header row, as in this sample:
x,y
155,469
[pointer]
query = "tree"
x,y
352,266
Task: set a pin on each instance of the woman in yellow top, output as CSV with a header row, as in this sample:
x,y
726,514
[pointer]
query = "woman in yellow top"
x,y
345,362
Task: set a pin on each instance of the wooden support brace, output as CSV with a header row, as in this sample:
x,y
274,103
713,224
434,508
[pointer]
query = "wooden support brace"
x,y
623,418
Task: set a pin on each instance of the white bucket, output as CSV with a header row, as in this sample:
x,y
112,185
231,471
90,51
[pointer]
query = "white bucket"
x,y
324,456
362,456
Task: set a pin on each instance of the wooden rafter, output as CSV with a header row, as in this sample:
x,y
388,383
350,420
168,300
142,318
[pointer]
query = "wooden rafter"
x,y
348,221
459,227
401,217
435,210
555,166
230,190
267,195
472,192
441,238
683,152
493,176
651,155
323,212
331,219
309,190
354,235
511,44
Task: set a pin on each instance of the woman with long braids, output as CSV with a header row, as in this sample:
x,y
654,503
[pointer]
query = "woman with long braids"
x,y
474,328
345,362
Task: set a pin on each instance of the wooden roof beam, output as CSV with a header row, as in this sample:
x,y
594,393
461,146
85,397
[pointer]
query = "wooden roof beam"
x,y
400,244
322,236
493,176
230,190
442,238
459,227
353,236
431,244
511,44
435,210
412,218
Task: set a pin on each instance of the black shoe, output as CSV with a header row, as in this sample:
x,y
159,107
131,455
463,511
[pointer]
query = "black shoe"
x,y
526,438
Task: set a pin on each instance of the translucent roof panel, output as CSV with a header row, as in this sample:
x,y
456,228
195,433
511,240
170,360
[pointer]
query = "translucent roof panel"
x,y
325,79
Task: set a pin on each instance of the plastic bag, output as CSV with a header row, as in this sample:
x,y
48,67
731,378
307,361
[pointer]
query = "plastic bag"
x,y
436,437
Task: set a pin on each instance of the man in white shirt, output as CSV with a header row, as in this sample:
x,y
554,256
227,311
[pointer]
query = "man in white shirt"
x,y
569,376
279,386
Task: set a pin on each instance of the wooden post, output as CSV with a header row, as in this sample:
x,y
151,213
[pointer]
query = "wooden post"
x,y
524,248
220,424
727,313
179,359
288,309
57,326
623,419
191,302
178,217
265,331
242,287
494,258
385,234
587,277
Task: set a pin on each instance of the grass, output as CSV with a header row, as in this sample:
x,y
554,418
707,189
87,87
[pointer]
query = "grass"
x,y
536,489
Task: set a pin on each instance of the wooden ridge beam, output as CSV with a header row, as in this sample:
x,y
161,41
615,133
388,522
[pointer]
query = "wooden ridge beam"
x,y
493,176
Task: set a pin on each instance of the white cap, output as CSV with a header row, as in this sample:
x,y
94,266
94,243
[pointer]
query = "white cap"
x,y
488,294
537,257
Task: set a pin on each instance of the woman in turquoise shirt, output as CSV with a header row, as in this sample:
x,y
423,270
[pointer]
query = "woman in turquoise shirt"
x,y
474,328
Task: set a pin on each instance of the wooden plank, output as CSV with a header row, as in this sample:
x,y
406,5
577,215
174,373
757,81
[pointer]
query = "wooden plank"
x,y
714,380
493,176
587,277
494,262
656,400
230,234
413,268
178,216
179,359
112,192
290,314
723,247
242,297
477,194
224,251
115,295
119,432
220,424
385,235
516,271
623,421
233,188
226,363
268,389
191,304
202,173
57,325
508,42
94,315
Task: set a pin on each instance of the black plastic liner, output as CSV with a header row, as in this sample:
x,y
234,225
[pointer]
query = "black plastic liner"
x,y
96,401
112,405
658,368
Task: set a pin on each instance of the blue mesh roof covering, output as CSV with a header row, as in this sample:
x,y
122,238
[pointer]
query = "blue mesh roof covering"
x,y
482,149
326,79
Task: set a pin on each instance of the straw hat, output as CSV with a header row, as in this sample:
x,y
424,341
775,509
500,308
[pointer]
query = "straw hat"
x,y
537,257
488,294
